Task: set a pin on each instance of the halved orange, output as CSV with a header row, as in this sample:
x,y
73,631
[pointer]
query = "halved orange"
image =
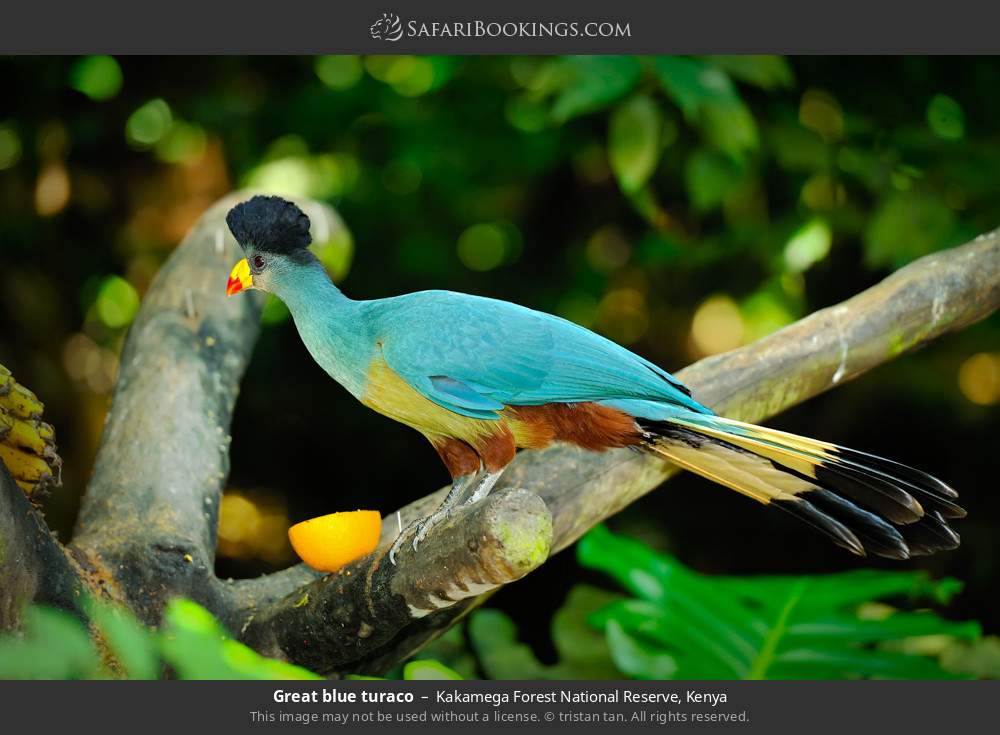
x,y
330,542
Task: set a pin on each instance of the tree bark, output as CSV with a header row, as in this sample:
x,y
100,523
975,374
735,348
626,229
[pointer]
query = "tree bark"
x,y
148,522
34,566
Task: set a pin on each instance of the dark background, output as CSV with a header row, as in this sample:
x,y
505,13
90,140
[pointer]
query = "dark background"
x,y
678,206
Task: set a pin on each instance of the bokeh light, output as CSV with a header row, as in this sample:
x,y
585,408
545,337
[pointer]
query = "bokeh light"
x,y
10,147
339,72
945,117
717,326
292,170
808,245
149,123
117,302
98,77
52,189
823,192
608,249
578,307
979,378
410,76
819,111
182,143
88,363
482,247
254,525
623,315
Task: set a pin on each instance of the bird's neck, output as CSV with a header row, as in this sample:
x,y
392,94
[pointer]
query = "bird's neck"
x,y
331,326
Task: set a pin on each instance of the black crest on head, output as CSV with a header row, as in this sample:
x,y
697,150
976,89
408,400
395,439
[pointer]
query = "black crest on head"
x,y
271,224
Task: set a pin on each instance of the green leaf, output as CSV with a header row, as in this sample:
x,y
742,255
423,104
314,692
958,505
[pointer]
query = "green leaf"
x,y
808,245
634,142
429,670
907,226
591,83
709,178
709,99
977,658
198,647
766,72
54,645
764,627
582,648
451,649
130,642
501,656
636,658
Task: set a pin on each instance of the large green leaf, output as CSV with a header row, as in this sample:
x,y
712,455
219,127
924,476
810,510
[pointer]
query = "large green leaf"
x,y
685,625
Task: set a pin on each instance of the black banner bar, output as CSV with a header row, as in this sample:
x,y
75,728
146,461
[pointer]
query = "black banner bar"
x,y
392,706
514,26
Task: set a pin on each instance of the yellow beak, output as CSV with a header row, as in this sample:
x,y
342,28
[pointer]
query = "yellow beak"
x,y
239,278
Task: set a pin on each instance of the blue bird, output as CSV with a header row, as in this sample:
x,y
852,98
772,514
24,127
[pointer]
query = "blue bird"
x,y
481,378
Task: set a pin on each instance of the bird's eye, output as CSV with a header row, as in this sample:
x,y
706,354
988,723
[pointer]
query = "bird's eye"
x,y
258,262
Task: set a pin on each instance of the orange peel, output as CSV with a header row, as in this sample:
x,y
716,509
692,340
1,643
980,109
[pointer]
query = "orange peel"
x,y
330,542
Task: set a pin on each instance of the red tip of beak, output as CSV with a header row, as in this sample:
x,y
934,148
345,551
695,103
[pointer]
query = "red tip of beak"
x,y
233,285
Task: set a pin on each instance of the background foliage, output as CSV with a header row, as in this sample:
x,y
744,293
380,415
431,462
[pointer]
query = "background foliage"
x,y
679,625
681,206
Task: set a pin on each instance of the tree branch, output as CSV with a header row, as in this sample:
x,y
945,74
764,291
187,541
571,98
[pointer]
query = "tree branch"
x,y
150,514
935,295
34,566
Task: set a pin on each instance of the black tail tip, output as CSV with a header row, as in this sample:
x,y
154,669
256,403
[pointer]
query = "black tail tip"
x,y
862,532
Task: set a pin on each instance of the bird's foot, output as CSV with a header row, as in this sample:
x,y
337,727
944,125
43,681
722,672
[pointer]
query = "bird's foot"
x,y
428,523
398,543
424,525
420,528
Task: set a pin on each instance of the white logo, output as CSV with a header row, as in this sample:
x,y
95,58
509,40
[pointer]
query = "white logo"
x,y
387,28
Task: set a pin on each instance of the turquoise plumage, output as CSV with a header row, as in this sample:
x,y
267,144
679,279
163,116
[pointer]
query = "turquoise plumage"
x,y
481,378
475,356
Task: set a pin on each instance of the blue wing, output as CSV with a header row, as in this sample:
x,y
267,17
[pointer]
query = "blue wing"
x,y
474,356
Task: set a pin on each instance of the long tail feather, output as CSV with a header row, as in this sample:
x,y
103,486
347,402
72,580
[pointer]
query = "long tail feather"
x,y
864,503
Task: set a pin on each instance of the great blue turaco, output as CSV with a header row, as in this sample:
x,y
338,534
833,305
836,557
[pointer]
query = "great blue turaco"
x,y
481,378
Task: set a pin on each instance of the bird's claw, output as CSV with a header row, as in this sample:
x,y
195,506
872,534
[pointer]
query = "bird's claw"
x,y
421,533
396,546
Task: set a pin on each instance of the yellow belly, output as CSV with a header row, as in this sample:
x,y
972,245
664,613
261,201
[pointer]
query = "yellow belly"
x,y
392,396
